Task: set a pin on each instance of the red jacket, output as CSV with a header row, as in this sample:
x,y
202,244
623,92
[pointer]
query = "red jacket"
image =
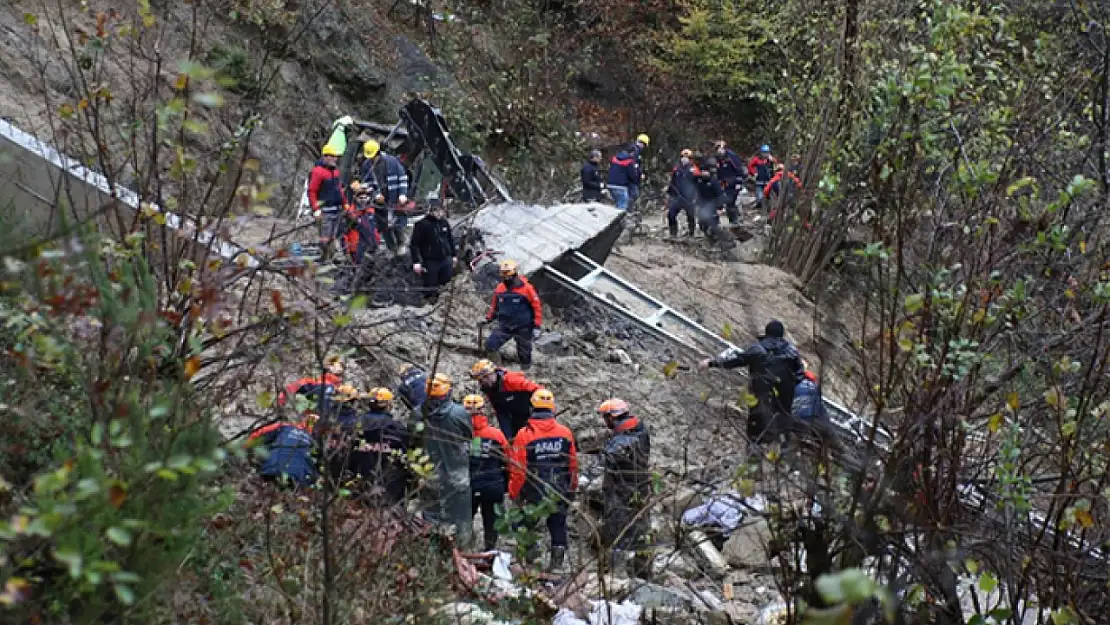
x,y
325,187
293,387
777,179
518,307
544,459
511,397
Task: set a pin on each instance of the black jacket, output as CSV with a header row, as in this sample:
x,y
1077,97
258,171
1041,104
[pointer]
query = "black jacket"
x,y
432,241
627,483
774,369
378,456
591,182
710,195
684,182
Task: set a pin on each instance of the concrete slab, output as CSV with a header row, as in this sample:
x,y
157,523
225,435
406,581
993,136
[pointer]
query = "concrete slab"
x,y
536,235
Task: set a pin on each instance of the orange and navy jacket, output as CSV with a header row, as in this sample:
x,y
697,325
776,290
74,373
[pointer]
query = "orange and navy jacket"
x,y
774,184
302,386
516,307
544,460
761,168
325,187
489,457
511,399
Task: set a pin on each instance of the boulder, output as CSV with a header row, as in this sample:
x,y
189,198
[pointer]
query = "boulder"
x,y
747,547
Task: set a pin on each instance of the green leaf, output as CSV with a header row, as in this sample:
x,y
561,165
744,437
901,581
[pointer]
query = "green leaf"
x,y
125,595
96,436
357,303
119,536
914,302
987,582
71,559
30,19
342,321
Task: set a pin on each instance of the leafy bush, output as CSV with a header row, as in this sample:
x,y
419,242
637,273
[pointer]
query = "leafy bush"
x,y
105,506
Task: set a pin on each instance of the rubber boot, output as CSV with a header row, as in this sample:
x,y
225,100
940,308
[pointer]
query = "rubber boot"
x,y
558,556
673,229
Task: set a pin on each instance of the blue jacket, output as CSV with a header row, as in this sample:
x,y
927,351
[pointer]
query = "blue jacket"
x,y
624,170
730,166
413,388
516,306
807,404
291,455
388,174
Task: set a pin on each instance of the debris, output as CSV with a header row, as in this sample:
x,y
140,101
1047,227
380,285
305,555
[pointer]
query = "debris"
x,y
653,596
708,554
721,511
747,545
603,613
462,613
619,356
774,614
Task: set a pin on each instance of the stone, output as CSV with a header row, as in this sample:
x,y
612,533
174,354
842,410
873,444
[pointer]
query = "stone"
x,y
716,564
654,596
673,562
552,343
619,356
747,547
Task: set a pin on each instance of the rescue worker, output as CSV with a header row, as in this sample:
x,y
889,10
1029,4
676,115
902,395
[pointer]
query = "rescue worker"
x,y
447,442
412,386
388,174
710,197
683,192
732,172
433,250
340,417
637,149
489,469
290,459
591,178
774,369
378,457
544,465
784,183
624,175
326,198
509,394
760,168
333,376
361,237
519,314
811,417
627,484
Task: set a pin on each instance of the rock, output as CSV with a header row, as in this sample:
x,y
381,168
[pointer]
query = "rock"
x,y
619,356
715,563
747,547
461,613
654,596
552,343
417,70
673,562
742,612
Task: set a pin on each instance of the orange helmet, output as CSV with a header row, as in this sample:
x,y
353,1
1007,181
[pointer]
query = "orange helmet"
x,y
474,403
345,393
509,268
543,399
380,395
612,408
687,152
481,368
439,386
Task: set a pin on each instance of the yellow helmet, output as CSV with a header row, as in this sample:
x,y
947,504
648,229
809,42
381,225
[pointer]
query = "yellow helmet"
x,y
345,393
380,395
371,148
439,386
482,367
644,139
330,150
543,399
509,268
474,403
688,153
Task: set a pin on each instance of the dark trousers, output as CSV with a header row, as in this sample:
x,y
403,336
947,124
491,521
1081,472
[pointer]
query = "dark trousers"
x,y
436,274
391,236
731,191
367,238
674,207
557,527
486,500
523,338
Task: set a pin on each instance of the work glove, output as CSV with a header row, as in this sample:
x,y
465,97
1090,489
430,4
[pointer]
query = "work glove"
x,y
403,199
536,333
380,199
418,268
316,214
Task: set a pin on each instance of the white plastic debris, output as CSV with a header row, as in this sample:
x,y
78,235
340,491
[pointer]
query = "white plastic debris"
x,y
609,613
501,564
723,511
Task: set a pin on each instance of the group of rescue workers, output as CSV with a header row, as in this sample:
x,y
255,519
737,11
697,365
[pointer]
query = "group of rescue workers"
x,y
700,185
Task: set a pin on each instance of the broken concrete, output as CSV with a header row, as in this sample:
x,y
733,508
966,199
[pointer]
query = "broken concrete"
x,y
747,547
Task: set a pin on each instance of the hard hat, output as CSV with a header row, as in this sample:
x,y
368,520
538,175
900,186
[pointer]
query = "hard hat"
x,y
720,144
474,402
688,153
371,148
509,268
380,394
355,186
334,365
644,139
439,386
764,148
482,367
779,167
345,393
543,399
613,408
330,150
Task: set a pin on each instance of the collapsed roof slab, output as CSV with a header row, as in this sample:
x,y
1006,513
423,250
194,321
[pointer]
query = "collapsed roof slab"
x,y
535,236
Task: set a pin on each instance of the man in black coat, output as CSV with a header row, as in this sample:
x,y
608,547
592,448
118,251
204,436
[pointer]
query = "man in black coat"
x,y
627,485
433,250
774,368
591,178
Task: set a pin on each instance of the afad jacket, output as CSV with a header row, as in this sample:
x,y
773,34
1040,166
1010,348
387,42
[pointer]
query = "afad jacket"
x,y
489,457
544,460
510,396
624,170
516,306
307,386
290,452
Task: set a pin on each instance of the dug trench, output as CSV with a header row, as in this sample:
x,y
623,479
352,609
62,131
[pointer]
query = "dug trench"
x,y
587,354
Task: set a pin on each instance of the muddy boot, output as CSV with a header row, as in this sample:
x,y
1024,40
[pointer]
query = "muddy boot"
x,y
558,556
673,230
